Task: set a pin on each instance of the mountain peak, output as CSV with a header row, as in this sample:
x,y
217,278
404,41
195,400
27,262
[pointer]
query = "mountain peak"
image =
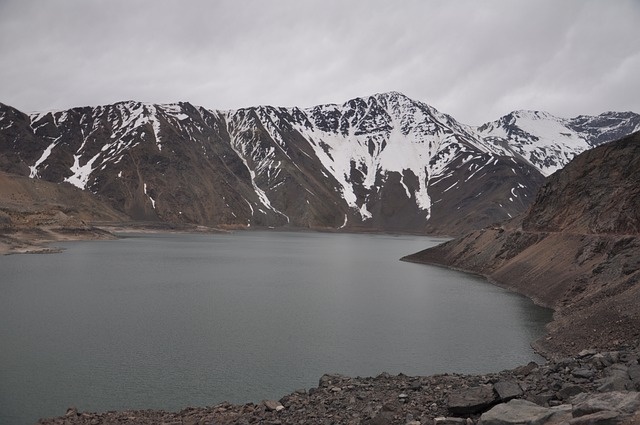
x,y
532,114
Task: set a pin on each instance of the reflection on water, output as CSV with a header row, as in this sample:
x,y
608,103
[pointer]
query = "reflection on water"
x,y
169,321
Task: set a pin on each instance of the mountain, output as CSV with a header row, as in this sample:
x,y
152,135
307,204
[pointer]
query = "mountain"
x,y
379,163
577,250
548,142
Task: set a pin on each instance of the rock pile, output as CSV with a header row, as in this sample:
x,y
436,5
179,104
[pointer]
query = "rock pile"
x,y
589,388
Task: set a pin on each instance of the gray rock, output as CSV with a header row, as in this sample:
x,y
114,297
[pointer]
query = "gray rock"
x,y
623,402
449,421
526,370
584,373
541,399
617,379
472,400
272,405
328,380
600,361
587,353
568,391
634,375
522,412
416,385
600,418
507,390
383,417
617,370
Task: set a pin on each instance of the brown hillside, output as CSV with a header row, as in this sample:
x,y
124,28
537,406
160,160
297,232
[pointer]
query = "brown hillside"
x,y
34,211
576,250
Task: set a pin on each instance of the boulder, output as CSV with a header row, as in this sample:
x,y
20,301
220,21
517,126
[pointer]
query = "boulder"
x,y
623,402
272,405
522,412
584,373
471,400
507,390
526,370
569,390
634,375
605,417
617,379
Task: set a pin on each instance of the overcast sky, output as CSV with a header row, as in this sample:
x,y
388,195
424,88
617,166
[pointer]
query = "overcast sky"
x,y
475,60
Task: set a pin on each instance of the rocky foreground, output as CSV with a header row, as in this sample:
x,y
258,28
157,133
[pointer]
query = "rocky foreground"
x,y
589,388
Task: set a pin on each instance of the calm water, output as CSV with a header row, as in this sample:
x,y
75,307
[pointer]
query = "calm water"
x,y
169,321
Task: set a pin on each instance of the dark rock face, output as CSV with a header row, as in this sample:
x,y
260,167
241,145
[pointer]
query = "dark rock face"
x,y
577,250
535,394
598,192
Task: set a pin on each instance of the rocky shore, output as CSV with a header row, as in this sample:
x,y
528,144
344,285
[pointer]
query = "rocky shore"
x,y
589,388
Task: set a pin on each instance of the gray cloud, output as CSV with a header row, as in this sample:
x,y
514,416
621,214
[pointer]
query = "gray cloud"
x,y
473,60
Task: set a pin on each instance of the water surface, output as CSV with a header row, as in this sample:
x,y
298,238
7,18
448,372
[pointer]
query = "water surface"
x,y
169,321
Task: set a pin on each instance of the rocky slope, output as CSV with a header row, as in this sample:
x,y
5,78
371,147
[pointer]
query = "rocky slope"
x,y
33,212
383,162
577,250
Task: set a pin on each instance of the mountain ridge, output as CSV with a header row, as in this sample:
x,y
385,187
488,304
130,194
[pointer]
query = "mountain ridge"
x,y
379,163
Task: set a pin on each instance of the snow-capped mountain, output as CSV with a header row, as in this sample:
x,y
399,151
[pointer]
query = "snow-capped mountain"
x,y
383,162
549,142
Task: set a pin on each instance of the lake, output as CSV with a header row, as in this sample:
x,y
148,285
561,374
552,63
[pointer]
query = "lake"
x,y
166,321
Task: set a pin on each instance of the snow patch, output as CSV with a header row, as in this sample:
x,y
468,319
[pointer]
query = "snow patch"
x,y
81,173
153,202
345,223
33,173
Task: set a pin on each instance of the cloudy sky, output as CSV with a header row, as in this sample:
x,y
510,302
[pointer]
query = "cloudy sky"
x,y
476,60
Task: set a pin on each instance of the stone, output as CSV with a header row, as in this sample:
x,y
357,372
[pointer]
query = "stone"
x,y
541,399
605,417
272,405
568,390
634,375
623,402
383,417
587,353
472,400
507,390
527,369
584,373
415,385
449,421
617,370
600,361
614,384
523,412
